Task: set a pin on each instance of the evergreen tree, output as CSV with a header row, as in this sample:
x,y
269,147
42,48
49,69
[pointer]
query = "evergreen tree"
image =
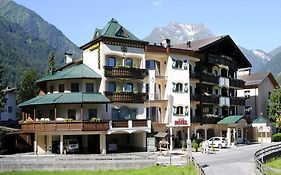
x,y
27,88
51,64
275,108
2,94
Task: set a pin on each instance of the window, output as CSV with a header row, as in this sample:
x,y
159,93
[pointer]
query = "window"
x,y
61,87
111,86
71,113
111,61
10,109
179,110
247,94
152,113
124,113
89,87
129,62
179,87
178,64
92,113
129,87
153,65
147,88
51,89
52,114
74,87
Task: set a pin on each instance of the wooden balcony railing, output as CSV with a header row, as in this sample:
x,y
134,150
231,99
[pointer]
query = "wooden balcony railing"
x,y
195,98
126,97
240,101
194,75
207,77
222,60
210,99
237,83
62,126
124,72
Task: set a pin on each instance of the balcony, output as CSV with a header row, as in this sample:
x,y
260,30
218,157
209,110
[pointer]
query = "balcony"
x,y
224,101
194,75
126,97
237,83
124,72
223,82
62,126
210,78
222,60
195,98
211,99
129,126
238,101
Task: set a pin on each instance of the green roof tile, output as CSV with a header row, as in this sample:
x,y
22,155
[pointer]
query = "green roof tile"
x,y
231,119
114,30
76,71
66,98
261,119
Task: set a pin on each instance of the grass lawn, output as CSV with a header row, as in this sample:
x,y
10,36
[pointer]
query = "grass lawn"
x,y
155,170
275,163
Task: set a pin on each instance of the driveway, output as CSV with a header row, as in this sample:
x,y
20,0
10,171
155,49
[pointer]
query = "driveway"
x,y
236,160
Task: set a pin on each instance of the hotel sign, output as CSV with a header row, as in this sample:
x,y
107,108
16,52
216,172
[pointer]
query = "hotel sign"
x,y
181,122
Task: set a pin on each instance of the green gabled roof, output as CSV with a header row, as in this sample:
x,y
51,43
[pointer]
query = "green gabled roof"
x,y
66,98
261,119
72,72
114,30
231,119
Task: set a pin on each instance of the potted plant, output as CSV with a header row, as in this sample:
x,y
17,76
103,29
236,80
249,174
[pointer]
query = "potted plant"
x,y
183,145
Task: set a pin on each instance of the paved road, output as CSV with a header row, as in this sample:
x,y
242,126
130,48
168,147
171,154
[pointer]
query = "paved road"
x,y
236,160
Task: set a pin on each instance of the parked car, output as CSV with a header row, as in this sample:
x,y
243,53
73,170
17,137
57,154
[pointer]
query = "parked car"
x,y
70,146
219,142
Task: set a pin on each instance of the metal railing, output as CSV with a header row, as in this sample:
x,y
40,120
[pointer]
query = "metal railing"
x,y
198,168
264,155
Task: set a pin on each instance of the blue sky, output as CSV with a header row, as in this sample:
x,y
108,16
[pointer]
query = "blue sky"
x,y
253,24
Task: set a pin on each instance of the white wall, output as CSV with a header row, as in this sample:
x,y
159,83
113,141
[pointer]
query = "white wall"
x,y
11,102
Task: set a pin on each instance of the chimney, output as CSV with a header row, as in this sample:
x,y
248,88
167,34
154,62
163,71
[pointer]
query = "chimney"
x,y
166,43
68,58
188,44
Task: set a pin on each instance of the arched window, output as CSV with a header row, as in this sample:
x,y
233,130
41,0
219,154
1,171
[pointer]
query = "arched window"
x,y
111,86
178,64
129,87
129,62
179,110
111,61
179,87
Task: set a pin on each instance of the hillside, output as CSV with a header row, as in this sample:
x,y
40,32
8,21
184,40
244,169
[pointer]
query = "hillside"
x,y
26,40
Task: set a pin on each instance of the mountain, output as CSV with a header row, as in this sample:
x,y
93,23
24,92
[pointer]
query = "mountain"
x,y
273,66
179,33
257,58
275,51
182,32
26,40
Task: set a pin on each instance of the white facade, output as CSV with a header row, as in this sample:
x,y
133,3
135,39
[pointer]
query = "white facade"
x,y
257,98
9,112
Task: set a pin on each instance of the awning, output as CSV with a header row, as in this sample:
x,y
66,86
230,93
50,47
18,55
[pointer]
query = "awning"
x,y
232,119
161,134
66,98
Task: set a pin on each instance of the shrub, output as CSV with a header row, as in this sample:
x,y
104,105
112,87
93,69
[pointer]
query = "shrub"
x,y
195,145
95,119
276,137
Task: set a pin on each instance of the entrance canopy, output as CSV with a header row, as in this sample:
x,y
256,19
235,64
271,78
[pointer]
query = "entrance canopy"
x,y
232,119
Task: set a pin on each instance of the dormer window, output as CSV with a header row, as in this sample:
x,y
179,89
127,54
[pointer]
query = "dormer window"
x,y
121,33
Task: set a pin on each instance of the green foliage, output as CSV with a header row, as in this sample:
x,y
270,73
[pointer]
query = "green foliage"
x,y
275,106
195,145
26,40
51,64
274,163
155,170
27,88
95,119
276,137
